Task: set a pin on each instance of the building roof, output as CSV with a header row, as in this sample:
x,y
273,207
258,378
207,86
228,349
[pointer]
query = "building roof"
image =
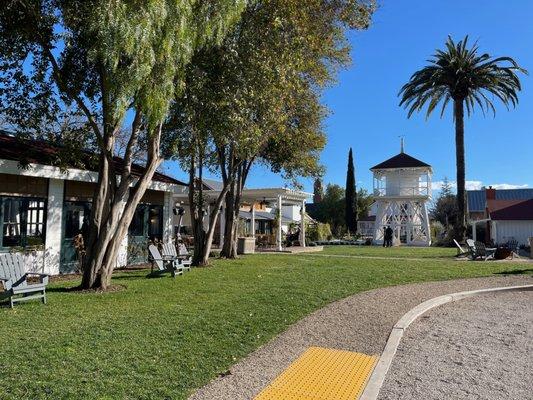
x,y
41,152
401,160
211,184
476,199
263,215
495,205
519,211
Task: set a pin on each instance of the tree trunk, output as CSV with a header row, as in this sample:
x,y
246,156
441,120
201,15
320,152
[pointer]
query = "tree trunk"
x,y
212,224
99,214
114,205
197,209
233,203
230,231
460,226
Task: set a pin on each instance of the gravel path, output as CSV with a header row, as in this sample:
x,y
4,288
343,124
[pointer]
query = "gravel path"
x,y
478,348
358,323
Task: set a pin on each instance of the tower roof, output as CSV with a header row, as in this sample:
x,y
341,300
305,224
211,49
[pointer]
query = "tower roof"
x,y
401,160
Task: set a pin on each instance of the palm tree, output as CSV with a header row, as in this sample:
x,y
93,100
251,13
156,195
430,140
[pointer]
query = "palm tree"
x,y
468,78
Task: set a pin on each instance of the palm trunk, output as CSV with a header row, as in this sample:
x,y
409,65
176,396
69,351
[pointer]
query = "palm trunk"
x,y
460,225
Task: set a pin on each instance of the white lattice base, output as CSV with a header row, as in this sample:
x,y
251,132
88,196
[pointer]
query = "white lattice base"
x,y
408,219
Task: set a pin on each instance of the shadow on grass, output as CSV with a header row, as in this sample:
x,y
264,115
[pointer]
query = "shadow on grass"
x,y
77,289
131,277
516,272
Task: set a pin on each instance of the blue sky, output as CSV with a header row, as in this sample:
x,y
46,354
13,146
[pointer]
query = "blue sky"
x,y
364,103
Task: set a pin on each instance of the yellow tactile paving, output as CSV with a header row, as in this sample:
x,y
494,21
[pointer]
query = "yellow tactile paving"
x,y
322,374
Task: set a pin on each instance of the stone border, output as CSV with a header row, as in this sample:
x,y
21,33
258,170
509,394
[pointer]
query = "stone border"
x,y
377,377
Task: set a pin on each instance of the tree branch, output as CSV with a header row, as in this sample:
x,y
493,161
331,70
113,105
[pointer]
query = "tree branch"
x,y
77,99
57,76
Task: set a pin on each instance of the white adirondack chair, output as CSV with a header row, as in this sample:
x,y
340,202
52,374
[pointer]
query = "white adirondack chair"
x,y
169,250
478,250
460,251
164,264
13,276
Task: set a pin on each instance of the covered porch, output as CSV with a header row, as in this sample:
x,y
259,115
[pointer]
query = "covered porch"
x,y
270,216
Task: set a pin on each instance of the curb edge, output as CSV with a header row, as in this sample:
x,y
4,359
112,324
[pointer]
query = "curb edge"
x,y
375,382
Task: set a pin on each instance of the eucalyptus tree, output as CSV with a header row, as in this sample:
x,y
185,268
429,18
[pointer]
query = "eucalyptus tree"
x,y
467,78
114,61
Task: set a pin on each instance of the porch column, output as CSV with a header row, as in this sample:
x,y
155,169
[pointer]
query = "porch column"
x,y
280,246
168,219
474,231
221,226
207,218
54,225
302,225
253,221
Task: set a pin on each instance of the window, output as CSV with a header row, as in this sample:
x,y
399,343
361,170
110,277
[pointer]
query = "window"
x,y
263,227
76,216
22,221
155,218
35,223
147,221
136,227
11,222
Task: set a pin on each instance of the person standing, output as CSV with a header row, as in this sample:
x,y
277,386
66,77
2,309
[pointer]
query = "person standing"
x,y
388,236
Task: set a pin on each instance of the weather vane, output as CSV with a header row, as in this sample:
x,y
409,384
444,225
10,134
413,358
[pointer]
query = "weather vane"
x,y
401,142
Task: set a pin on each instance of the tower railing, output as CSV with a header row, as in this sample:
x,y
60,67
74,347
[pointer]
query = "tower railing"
x,y
399,191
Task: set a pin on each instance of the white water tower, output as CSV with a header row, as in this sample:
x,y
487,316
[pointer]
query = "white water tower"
x,y
402,188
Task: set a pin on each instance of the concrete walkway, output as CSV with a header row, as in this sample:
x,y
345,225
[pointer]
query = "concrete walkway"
x,y
476,348
359,323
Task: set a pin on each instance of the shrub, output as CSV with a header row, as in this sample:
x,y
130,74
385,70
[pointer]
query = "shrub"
x,y
318,232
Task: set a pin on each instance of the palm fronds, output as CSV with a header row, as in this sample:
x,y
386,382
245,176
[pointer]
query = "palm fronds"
x,y
463,74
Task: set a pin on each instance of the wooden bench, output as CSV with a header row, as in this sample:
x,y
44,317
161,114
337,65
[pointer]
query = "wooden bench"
x,y
14,278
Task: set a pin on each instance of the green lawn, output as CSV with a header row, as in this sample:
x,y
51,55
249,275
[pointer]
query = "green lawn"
x,y
162,338
396,252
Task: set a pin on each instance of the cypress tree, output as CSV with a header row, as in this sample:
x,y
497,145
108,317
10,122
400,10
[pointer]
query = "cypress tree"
x,y
351,196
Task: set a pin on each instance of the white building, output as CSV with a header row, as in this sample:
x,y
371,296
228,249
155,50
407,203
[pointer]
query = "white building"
x,y
42,207
402,188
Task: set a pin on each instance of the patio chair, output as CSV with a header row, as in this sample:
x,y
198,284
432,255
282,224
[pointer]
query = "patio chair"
x,y
460,251
512,245
169,251
486,253
164,264
13,276
471,248
478,250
